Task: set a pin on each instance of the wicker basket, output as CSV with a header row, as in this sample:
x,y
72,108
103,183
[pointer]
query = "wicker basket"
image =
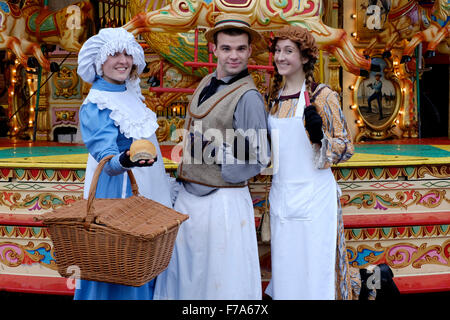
x,y
124,241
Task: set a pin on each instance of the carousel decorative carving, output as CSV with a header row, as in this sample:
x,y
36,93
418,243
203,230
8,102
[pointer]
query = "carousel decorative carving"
x,y
19,103
186,15
43,122
14,254
378,100
400,255
65,116
158,102
167,129
398,20
23,30
436,34
333,66
66,81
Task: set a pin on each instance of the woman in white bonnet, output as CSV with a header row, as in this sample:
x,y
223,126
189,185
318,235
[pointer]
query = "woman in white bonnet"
x,y
111,117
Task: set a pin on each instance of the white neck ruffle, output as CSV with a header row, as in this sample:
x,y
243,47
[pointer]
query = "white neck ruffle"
x,y
128,111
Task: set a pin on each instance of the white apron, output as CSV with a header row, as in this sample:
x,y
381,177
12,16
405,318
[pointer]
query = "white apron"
x,y
216,253
303,216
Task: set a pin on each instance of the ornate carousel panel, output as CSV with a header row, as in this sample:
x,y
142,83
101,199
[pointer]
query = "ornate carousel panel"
x,y
397,212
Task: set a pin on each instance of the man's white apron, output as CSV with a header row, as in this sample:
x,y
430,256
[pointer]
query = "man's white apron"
x,y
303,216
216,253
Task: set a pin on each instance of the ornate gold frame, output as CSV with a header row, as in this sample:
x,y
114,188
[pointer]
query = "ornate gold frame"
x,y
385,130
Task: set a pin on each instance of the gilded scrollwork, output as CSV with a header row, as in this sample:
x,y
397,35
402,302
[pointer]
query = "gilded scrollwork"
x,y
399,255
41,201
66,83
65,116
14,254
403,199
434,171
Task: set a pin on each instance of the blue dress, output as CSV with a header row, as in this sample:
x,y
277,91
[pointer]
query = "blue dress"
x,y
102,137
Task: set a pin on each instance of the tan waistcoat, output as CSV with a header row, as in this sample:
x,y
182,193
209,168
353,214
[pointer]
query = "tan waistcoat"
x,y
216,116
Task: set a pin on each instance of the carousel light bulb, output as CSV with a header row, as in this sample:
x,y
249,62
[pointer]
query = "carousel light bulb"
x,y
14,71
353,16
12,93
397,121
16,61
351,87
31,109
15,128
30,122
353,34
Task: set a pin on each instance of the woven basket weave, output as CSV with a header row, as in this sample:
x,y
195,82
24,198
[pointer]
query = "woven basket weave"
x,y
124,241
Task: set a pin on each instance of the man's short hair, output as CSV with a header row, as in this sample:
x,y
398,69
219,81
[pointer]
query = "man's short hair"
x,y
232,32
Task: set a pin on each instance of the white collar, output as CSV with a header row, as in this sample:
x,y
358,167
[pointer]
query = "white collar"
x,y
129,112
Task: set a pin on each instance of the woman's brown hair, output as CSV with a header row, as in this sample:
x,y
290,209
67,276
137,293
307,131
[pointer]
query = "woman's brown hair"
x,y
308,48
134,73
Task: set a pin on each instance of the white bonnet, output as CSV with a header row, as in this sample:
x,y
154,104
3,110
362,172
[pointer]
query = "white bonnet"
x,y
108,41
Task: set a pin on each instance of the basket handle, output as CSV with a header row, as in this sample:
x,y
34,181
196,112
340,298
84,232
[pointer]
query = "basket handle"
x,y
93,188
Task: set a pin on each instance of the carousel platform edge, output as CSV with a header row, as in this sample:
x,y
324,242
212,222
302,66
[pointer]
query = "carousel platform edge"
x,y
397,214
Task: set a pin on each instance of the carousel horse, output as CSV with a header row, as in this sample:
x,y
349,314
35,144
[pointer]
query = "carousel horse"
x,y
408,20
186,15
436,34
23,30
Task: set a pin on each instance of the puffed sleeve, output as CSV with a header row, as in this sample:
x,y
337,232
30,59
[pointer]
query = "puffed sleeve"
x,y
337,143
100,136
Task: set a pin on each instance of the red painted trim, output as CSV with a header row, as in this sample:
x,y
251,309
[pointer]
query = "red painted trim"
x,y
19,220
396,220
350,221
34,284
414,284
402,11
54,285
424,283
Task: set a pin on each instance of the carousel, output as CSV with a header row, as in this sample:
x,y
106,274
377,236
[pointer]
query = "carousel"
x,y
395,189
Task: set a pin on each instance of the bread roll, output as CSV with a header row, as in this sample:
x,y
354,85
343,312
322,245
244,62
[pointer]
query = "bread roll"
x,y
142,150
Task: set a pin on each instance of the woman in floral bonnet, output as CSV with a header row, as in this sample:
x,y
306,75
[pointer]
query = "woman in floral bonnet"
x,y
111,117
